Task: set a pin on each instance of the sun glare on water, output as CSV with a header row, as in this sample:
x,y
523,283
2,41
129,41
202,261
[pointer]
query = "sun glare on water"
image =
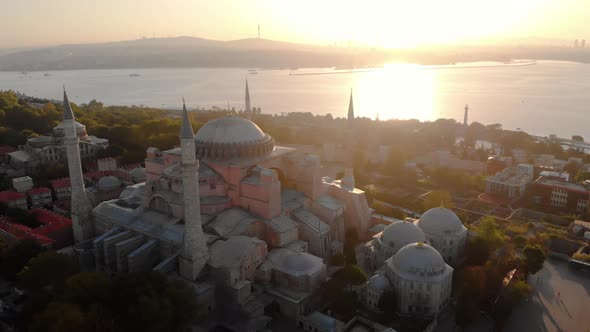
x,y
398,91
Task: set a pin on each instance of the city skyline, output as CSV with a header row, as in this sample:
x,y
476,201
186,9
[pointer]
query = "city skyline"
x,y
376,23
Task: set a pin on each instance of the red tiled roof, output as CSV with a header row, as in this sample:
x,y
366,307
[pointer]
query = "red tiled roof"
x,y
47,217
61,183
6,149
9,196
39,190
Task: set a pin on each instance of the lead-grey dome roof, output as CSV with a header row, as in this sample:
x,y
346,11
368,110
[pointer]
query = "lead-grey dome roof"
x,y
138,174
440,221
418,259
229,129
109,183
232,137
399,234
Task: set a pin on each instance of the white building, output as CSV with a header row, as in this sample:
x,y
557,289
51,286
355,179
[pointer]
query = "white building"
x,y
445,232
421,279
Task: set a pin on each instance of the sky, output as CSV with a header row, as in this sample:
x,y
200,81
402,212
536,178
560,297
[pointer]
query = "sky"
x,y
380,23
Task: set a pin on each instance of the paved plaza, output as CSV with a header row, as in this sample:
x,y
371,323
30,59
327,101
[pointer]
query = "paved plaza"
x,y
560,301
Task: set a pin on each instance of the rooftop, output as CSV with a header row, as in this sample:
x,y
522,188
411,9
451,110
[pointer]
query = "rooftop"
x,y
510,176
311,220
562,184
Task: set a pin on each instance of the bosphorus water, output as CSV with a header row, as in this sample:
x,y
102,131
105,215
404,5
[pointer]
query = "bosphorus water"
x,y
546,98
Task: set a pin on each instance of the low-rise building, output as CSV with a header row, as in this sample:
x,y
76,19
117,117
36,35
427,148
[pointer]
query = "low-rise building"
x,y
40,197
496,164
560,195
13,199
509,183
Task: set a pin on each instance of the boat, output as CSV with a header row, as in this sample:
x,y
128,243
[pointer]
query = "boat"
x,y
47,74
134,75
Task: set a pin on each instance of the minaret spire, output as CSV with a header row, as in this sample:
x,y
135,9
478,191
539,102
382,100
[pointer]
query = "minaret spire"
x,y
68,114
186,129
194,254
248,108
80,205
350,108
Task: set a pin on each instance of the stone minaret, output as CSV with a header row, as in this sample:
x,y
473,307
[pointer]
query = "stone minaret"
x,y
466,116
248,108
81,207
194,253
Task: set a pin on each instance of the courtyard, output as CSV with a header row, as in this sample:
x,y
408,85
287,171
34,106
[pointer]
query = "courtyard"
x,y
559,302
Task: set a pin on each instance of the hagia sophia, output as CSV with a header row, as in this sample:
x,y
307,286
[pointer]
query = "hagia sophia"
x,y
253,224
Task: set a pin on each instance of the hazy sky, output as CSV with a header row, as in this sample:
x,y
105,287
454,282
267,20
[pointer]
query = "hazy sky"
x,y
388,23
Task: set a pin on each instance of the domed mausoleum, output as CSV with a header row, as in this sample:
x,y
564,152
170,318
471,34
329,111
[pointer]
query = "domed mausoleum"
x,y
394,237
421,279
445,232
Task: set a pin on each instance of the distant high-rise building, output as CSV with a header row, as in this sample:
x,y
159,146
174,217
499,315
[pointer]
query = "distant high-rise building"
x,y
466,115
583,43
576,43
258,30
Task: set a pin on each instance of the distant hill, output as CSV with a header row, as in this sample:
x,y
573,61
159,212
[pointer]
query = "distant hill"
x,y
264,53
187,52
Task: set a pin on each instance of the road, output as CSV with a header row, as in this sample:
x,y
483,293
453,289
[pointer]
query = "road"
x,y
560,301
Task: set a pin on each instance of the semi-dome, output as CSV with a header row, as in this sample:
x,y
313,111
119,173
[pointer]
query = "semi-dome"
x,y
109,183
138,174
440,221
232,137
379,282
418,259
399,234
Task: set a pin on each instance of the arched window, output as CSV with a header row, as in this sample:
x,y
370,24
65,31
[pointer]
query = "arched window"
x,y
159,204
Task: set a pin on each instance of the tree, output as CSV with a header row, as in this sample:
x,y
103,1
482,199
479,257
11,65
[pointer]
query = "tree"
x,y
60,317
48,270
517,290
519,241
351,275
477,251
92,292
534,257
472,282
489,231
437,199
16,256
577,138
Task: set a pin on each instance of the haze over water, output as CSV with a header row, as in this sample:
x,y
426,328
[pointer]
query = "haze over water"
x,y
546,98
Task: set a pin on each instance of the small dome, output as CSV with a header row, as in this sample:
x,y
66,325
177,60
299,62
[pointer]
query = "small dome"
x,y
440,221
108,183
418,258
399,234
378,282
138,174
232,137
